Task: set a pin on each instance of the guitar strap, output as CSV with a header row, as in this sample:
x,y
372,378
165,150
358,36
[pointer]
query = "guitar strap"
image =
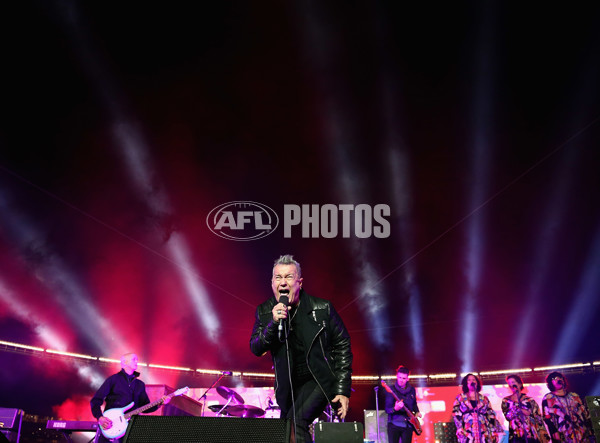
x,y
401,415
403,395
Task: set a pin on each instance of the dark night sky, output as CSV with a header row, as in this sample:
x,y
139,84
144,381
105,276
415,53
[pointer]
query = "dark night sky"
x,y
123,124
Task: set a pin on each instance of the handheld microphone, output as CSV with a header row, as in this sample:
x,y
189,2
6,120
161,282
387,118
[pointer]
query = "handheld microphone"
x,y
226,372
285,300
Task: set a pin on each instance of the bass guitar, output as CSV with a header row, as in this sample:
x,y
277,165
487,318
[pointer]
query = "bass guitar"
x,y
119,419
412,419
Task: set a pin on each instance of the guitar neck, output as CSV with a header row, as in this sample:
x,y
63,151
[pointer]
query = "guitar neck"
x,y
394,395
148,406
391,391
157,402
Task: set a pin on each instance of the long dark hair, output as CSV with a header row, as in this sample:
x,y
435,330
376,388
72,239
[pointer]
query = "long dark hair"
x,y
517,379
554,375
465,385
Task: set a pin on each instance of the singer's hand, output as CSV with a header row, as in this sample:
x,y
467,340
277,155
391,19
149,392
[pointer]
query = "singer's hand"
x,y
343,404
280,311
399,405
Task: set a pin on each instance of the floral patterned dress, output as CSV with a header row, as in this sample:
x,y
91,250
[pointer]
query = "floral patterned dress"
x,y
567,415
522,425
475,424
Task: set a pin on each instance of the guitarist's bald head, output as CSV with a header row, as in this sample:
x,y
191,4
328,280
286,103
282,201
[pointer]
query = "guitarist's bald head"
x,y
129,362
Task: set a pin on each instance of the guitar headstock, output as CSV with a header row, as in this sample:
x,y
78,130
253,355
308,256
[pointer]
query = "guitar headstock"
x,y
386,387
181,391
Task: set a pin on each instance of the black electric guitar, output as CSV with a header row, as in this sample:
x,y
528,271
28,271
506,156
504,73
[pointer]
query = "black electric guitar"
x,y
412,419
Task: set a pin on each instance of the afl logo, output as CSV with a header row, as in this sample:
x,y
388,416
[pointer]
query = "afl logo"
x,y
242,220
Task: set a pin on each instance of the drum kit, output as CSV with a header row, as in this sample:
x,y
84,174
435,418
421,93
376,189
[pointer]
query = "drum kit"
x,y
235,406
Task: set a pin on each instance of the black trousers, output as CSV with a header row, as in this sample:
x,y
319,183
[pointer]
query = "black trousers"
x,y
309,403
397,434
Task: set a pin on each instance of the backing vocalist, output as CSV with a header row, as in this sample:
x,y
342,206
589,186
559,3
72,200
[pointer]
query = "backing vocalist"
x,y
473,414
523,414
565,414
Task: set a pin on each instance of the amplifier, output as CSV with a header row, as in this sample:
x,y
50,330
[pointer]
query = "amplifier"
x,y
351,432
180,405
8,417
371,420
593,404
185,429
10,424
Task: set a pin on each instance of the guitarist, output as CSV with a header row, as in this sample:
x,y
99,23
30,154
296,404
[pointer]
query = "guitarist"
x,y
119,390
399,428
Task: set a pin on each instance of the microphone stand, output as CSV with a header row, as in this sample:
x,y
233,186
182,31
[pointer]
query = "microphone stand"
x,y
206,392
329,414
376,388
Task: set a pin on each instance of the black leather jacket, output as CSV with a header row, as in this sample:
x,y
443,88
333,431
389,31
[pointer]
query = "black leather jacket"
x,y
325,339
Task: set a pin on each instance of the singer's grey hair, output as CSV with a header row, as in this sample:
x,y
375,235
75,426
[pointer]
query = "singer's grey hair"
x,y
288,260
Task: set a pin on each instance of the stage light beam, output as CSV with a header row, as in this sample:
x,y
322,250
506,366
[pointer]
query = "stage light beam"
x,y
401,189
339,121
135,154
478,190
583,307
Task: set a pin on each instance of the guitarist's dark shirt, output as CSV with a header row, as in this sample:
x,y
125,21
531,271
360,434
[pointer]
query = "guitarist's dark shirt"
x,y
409,396
119,390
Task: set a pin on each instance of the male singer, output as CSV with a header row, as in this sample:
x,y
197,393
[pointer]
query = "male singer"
x,y
308,333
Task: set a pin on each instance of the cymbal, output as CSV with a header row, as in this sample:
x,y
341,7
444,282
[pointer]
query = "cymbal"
x,y
217,408
228,393
245,411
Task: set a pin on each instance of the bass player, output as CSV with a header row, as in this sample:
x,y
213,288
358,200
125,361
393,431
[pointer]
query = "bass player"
x,y
119,390
400,429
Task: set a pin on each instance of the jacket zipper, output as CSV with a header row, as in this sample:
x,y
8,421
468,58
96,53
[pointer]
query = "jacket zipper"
x,y
276,378
325,356
307,354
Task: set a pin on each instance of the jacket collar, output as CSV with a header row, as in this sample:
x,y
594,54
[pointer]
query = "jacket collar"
x,y
135,374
